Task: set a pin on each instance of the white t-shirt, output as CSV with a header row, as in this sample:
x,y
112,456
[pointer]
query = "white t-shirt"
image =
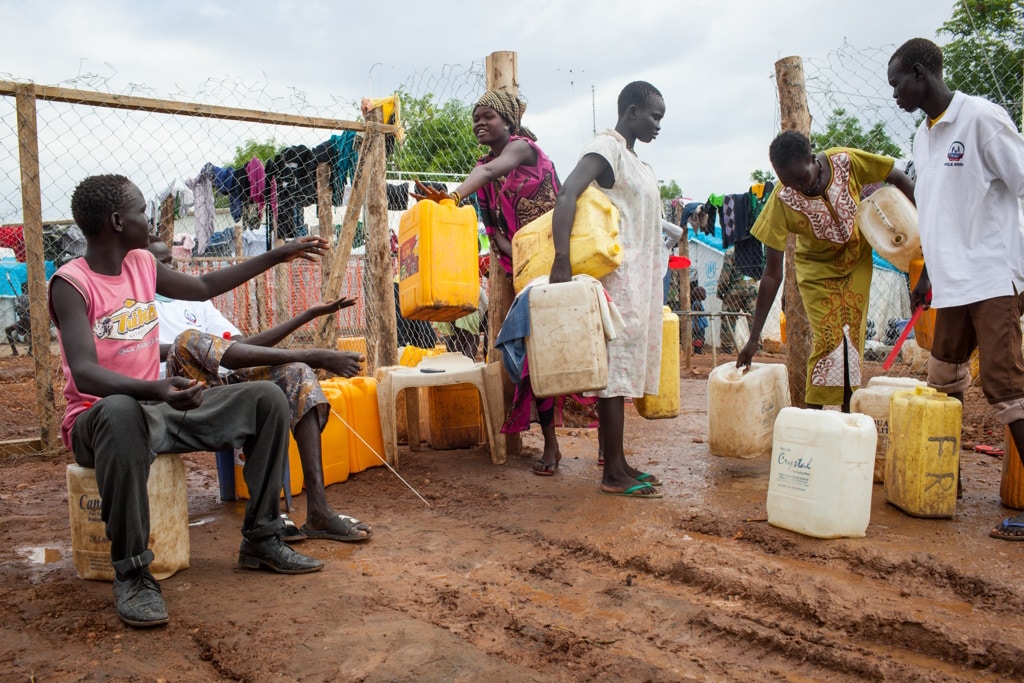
x,y
970,174
175,316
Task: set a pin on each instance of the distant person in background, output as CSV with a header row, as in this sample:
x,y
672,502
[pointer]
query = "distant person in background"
x,y
20,327
515,183
816,200
610,163
969,159
196,340
738,294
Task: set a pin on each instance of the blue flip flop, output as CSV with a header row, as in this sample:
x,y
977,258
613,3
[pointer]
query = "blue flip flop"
x,y
634,492
1009,530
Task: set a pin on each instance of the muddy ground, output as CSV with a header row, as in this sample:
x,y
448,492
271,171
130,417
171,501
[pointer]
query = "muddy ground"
x,y
512,577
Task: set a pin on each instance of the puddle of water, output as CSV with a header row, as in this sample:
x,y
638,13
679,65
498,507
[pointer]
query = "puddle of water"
x,y
41,555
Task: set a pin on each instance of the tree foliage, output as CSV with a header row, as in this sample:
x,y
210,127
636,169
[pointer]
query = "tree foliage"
x,y
265,151
669,190
986,54
760,176
846,130
438,137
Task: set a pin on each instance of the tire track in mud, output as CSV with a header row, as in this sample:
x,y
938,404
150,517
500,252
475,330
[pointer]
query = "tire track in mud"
x,y
711,606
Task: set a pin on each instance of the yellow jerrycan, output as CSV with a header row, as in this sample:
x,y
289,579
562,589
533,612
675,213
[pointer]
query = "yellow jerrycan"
x,y
666,403
921,466
438,270
593,245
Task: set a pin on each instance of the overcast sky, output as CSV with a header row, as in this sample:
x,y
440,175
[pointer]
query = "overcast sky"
x,y
713,60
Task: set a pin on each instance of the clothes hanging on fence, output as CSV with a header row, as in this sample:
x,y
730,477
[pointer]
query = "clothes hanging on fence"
x,y
398,196
339,152
257,177
295,171
202,191
224,182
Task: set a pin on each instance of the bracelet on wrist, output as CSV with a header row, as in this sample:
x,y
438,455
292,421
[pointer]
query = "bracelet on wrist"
x,y
456,196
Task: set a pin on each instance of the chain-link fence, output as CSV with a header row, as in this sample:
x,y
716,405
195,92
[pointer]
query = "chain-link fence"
x,y
228,171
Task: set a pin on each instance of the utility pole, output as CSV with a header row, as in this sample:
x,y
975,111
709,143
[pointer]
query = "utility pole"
x,y
593,110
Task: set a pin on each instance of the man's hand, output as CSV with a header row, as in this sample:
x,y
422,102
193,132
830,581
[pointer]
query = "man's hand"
x,y
327,307
310,247
922,293
180,393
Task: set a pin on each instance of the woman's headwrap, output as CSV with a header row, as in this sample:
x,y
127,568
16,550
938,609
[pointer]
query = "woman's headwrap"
x,y
510,107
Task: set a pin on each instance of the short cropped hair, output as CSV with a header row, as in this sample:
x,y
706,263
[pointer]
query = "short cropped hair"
x,y
919,51
787,147
96,198
636,93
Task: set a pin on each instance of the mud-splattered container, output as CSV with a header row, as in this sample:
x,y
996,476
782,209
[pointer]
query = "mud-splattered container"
x,y
665,404
820,480
873,401
742,407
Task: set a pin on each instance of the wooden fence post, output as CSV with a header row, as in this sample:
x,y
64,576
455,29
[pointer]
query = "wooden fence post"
x,y
501,75
35,261
789,72
382,335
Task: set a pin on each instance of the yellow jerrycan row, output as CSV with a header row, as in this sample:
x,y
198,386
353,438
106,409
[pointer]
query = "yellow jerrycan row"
x,y
665,404
924,452
593,245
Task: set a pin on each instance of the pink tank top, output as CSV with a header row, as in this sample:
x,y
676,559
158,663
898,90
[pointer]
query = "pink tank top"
x,y
122,313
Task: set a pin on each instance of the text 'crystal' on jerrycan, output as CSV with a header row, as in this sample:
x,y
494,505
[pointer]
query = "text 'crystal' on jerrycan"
x,y
873,401
922,464
888,220
594,248
438,268
820,479
566,346
742,407
665,404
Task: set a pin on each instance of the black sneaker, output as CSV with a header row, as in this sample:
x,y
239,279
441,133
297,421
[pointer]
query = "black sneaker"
x,y
273,554
138,599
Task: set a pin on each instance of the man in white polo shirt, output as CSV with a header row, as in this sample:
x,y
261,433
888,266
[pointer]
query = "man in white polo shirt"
x,y
969,158
197,341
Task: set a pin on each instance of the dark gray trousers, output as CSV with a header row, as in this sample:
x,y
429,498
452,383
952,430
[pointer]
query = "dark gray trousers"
x,y
120,437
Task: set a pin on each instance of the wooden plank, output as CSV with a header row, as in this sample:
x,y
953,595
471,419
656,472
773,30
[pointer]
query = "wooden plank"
x,y
16,448
789,73
132,103
165,223
32,217
327,328
381,337
325,217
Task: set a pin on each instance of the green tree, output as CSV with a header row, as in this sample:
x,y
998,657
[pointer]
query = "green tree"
x,y
265,151
438,137
846,130
669,190
760,176
986,55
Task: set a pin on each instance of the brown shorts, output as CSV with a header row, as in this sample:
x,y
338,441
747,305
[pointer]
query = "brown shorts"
x,y
993,327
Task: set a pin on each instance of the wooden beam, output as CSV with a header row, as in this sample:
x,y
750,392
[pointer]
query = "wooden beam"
x,y
132,103
325,216
35,262
327,328
381,334
165,223
789,73
502,74
16,448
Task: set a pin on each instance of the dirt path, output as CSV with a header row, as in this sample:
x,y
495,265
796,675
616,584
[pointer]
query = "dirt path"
x,y
512,577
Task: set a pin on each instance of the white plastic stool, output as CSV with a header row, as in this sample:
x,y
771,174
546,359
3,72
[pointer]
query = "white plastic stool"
x,y
436,371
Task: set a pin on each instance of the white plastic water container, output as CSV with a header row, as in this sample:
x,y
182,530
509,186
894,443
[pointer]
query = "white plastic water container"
x,y
873,401
566,347
888,220
820,480
742,407
168,520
